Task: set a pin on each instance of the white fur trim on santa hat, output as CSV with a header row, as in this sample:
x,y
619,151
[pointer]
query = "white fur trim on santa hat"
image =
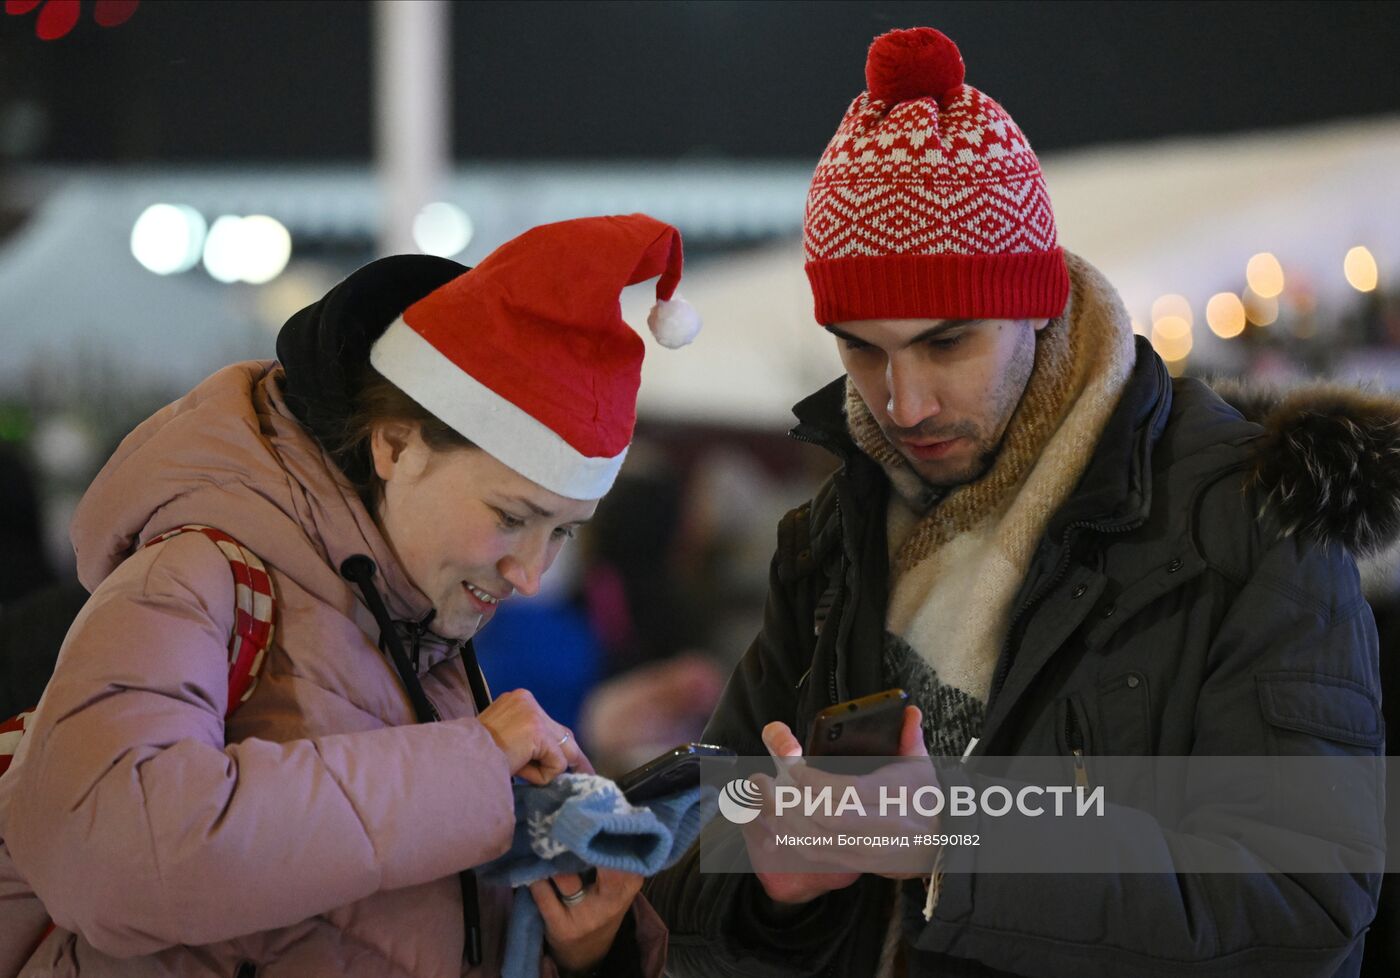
x,y
511,435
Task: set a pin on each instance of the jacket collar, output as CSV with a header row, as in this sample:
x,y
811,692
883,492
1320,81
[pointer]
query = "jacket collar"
x,y
821,420
1116,488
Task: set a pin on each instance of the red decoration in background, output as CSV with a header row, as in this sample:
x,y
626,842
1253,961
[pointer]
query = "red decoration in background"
x,y
110,13
59,17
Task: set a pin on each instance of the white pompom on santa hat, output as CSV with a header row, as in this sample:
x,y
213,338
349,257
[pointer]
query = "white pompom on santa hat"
x,y
527,354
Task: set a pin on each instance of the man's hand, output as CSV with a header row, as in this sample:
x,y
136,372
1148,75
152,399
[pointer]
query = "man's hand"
x,y
536,747
580,934
801,887
789,888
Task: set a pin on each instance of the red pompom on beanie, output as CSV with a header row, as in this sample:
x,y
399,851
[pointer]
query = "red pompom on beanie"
x,y
929,202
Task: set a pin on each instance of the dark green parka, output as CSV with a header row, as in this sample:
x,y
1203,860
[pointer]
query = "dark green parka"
x,y
1180,603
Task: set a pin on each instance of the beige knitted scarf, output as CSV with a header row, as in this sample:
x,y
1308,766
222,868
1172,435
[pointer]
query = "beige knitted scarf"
x,y
958,559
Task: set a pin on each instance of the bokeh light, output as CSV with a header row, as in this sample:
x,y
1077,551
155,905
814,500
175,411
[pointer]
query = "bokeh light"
x,y
1225,315
247,249
1264,275
168,238
1259,310
1171,327
1359,266
267,247
1172,305
1171,346
442,229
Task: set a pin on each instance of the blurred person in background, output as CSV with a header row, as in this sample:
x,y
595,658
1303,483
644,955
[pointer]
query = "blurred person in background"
x,y
434,435
35,611
661,683
25,567
1056,550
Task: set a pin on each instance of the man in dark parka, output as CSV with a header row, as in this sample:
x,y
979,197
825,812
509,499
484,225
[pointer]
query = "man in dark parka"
x,y
1057,549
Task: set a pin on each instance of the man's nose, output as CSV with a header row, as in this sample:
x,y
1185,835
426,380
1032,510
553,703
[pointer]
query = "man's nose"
x,y
912,399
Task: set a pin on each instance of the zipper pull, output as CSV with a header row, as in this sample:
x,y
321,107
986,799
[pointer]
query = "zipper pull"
x,y
1081,773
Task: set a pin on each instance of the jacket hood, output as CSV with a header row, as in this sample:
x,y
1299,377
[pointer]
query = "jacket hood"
x,y
231,454
1328,465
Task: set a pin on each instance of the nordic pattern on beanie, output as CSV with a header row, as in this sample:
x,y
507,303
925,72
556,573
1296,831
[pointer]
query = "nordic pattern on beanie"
x,y
929,201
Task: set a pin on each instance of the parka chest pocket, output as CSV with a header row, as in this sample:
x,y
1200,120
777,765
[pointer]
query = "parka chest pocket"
x,y
1113,718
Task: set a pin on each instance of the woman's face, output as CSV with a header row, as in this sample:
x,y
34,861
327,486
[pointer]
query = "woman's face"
x,y
469,531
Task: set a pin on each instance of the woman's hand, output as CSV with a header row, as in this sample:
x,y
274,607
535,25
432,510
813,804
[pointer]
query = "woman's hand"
x,y
581,934
536,747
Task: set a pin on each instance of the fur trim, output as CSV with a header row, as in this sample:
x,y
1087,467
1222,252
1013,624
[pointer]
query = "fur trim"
x,y
1329,463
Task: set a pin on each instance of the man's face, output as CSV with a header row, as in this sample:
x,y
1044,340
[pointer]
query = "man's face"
x,y
942,390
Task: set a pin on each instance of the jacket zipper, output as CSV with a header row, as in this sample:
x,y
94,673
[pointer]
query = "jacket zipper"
x,y
1012,633
1074,739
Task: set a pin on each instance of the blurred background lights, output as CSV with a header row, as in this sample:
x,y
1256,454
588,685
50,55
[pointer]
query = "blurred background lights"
x,y
267,247
442,229
247,249
1360,269
168,238
1264,275
1225,315
1171,327
1171,346
1171,305
1259,310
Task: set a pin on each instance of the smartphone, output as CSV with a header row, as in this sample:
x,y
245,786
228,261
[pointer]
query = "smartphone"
x,y
864,727
675,770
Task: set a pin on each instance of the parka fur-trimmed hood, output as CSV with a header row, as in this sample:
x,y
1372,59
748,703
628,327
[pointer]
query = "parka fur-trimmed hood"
x,y
1328,468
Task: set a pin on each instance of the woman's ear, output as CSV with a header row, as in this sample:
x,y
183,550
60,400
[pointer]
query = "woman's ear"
x,y
396,448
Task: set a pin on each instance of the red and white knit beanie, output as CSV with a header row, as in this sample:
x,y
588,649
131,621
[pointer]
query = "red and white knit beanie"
x,y
928,202
527,355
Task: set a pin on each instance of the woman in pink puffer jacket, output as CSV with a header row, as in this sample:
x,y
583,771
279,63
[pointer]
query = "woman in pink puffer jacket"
x,y
448,429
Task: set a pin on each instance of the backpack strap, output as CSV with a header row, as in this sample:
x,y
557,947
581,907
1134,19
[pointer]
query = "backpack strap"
x,y
255,608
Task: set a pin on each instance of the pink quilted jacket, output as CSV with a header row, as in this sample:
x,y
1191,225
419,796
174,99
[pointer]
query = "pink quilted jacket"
x,y
318,833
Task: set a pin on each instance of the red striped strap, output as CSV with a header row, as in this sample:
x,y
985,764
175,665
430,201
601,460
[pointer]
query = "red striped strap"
x,y
254,610
10,732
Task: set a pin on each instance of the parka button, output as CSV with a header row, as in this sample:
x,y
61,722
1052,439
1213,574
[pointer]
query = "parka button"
x,y
1174,566
1133,682
1108,612
1079,591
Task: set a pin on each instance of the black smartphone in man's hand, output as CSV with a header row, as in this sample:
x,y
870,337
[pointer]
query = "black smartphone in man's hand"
x,y
866,727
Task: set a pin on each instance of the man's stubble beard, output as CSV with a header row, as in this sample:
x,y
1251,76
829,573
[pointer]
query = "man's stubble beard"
x,y
1015,380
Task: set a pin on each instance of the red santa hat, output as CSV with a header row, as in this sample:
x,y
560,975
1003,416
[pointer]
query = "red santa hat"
x,y
527,355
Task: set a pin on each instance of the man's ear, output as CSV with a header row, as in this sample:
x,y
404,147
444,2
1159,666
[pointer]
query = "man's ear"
x,y
392,446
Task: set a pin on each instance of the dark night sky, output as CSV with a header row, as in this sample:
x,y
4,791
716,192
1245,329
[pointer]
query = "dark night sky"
x,y
237,80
